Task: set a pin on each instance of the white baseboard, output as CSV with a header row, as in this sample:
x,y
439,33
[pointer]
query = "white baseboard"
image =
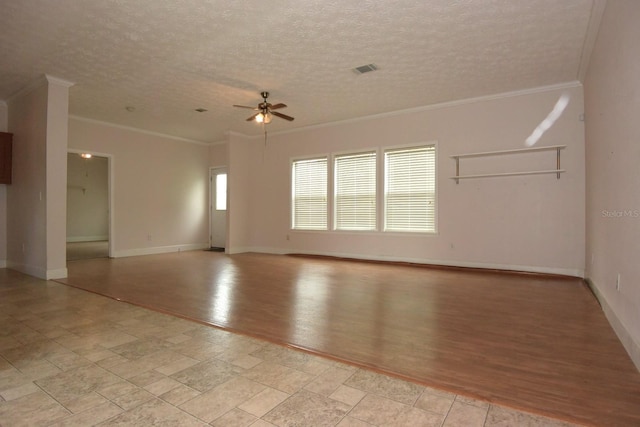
x,y
59,273
38,272
632,347
488,266
242,249
31,270
75,239
159,250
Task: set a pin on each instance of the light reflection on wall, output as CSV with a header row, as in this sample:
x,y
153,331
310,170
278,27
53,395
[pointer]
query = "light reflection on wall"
x,y
551,118
224,287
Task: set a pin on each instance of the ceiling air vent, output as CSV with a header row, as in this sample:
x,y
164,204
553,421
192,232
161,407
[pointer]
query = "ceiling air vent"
x,y
365,68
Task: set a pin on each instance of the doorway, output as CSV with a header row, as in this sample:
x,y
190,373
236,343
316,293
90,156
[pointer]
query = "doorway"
x,y
88,212
218,209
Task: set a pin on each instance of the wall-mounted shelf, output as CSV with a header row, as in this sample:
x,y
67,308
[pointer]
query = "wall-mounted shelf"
x,y
556,171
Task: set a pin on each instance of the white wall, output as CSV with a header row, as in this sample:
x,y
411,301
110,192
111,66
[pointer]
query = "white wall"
x,y
525,223
56,177
612,103
87,198
26,222
159,187
240,190
218,155
36,198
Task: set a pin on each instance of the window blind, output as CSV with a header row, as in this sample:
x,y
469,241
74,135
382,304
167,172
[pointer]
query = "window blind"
x,y
410,189
309,194
355,191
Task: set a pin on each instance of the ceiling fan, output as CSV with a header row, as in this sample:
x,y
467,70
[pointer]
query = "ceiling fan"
x,y
265,110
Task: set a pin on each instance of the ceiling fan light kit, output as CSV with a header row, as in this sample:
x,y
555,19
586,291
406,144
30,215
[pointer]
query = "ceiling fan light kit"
x,y
264,118
265,110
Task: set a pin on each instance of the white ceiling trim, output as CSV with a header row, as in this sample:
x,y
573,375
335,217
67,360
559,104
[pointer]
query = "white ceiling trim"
x,y
228,133
597,10
542,89
93,153
58,81
27,89
45,78
138,130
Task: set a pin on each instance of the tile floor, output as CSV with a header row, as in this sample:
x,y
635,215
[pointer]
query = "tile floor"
x,y
72,358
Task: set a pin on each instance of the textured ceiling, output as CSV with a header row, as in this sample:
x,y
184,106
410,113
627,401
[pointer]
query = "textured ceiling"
x,y
166,58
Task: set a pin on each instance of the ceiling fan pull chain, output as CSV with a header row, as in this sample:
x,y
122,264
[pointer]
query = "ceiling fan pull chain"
x,y
264,127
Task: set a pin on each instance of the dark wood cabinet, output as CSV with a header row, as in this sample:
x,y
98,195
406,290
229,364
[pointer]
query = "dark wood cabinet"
x,y
6,140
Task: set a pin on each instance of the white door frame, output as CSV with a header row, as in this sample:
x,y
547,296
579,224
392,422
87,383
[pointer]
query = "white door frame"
x,y
110,191
213,172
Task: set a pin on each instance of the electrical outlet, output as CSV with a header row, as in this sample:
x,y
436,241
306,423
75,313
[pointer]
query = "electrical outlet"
x,y
149,237
287,237
618,283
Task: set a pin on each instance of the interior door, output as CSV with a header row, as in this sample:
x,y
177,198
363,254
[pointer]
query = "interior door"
x,y
218,208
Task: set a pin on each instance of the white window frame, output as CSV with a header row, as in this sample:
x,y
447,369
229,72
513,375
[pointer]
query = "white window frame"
x,y
293,161
334,190
384,179
381,172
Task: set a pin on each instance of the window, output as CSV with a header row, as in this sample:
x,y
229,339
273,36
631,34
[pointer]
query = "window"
x,y
400,196
410,189
355,191
309,194
221,192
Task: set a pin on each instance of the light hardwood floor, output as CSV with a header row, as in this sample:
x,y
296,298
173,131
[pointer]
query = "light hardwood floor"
x,y
69,357
87,250
540,344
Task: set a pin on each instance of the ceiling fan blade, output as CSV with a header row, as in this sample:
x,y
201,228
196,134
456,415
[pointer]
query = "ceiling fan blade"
x,y
277,106
244,106
282,116
252,117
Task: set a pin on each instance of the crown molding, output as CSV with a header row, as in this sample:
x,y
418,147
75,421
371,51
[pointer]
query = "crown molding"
x,y
234,133
218,142
593,28
30,87
58,81
36,83
138,130
438,106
